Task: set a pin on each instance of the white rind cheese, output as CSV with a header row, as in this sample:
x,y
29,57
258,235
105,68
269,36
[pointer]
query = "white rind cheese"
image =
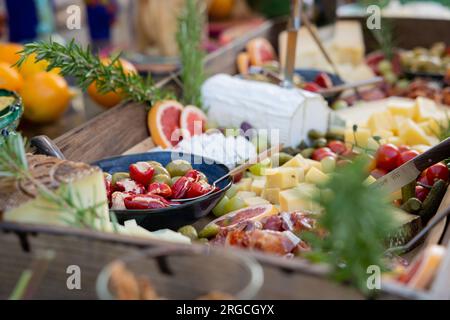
x,y
290,113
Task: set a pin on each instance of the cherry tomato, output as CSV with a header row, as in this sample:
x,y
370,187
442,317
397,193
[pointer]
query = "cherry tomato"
x,y
378,173
405,156
403,148
337,146
421,193
436,172
424,180
387,156
321,153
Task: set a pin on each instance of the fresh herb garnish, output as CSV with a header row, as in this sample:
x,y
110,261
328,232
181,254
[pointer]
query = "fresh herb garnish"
x,y
86,67
189,40
357,221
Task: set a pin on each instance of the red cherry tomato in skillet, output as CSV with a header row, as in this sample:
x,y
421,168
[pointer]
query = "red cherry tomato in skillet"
x,y
436,172
387,156
405,156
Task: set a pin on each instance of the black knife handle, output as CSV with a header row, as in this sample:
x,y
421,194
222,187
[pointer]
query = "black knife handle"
x,y
433,155
44,145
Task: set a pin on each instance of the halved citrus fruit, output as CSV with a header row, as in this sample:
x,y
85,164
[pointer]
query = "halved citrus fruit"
x,y
192,121
163,121
253,213
260,51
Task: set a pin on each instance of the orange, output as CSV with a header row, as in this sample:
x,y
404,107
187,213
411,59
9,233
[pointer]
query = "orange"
x,y
46,97
9,52
220,9
109,99
10,79
163,121
192,121
30,67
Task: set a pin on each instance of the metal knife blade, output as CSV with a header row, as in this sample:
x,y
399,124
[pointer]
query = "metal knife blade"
x,y
398,178
409,171
294,26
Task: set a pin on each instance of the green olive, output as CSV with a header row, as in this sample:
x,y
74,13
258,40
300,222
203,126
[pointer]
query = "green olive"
x,y
319,143
315,134
119,176
283,157
209,231
307,153
189,231
178,167
161,170
174,179
162,178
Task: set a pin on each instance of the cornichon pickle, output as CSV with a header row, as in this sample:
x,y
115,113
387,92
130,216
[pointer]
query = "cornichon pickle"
x,y
412,205
162,178
209,231
189,231
119,176
433,201
178,167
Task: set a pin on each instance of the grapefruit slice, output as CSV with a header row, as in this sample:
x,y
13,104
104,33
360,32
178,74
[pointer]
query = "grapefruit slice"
x,y
192,121
163,121
253,213
260,51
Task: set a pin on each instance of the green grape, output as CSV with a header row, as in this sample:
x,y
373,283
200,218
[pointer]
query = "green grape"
x,y
233,204
328,164
219,209
232,191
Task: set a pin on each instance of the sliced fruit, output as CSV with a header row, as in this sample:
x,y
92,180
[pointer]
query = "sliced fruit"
x,y
323,80
254,213
243,63
163,121
10,79
192,121
260,51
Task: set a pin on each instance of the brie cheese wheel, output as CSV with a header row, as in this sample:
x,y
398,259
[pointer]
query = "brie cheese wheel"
x,y
287,114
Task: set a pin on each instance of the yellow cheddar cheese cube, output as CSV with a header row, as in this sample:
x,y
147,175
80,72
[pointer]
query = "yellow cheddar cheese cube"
x,y
245,184
362,136
299,198
282,177
258,186
301,174
314,164
297,162
413,134
383,134
254,201
381,120
402,108
397,141
425,109
315,176
272,195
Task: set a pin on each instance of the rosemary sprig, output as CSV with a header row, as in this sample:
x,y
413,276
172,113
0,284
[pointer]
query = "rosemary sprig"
x,y
14,165
189,40
384,37
357,221
86,67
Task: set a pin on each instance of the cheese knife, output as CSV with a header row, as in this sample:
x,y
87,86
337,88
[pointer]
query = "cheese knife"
x,y
410,170
294,26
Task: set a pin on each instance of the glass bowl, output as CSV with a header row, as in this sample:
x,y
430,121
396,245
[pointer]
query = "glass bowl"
x,y
10,115
188,273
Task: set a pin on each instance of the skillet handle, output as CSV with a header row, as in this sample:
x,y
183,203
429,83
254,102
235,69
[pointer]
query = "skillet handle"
x,y
44,145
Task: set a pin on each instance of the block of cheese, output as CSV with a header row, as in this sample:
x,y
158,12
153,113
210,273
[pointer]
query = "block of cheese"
x,y
413,134
24,204
299,198
382,120
286,114
361,135
402,108
245,184
272,195
258,186
425,109
254,201
298,162
245,194
315,176
348,42
282,177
